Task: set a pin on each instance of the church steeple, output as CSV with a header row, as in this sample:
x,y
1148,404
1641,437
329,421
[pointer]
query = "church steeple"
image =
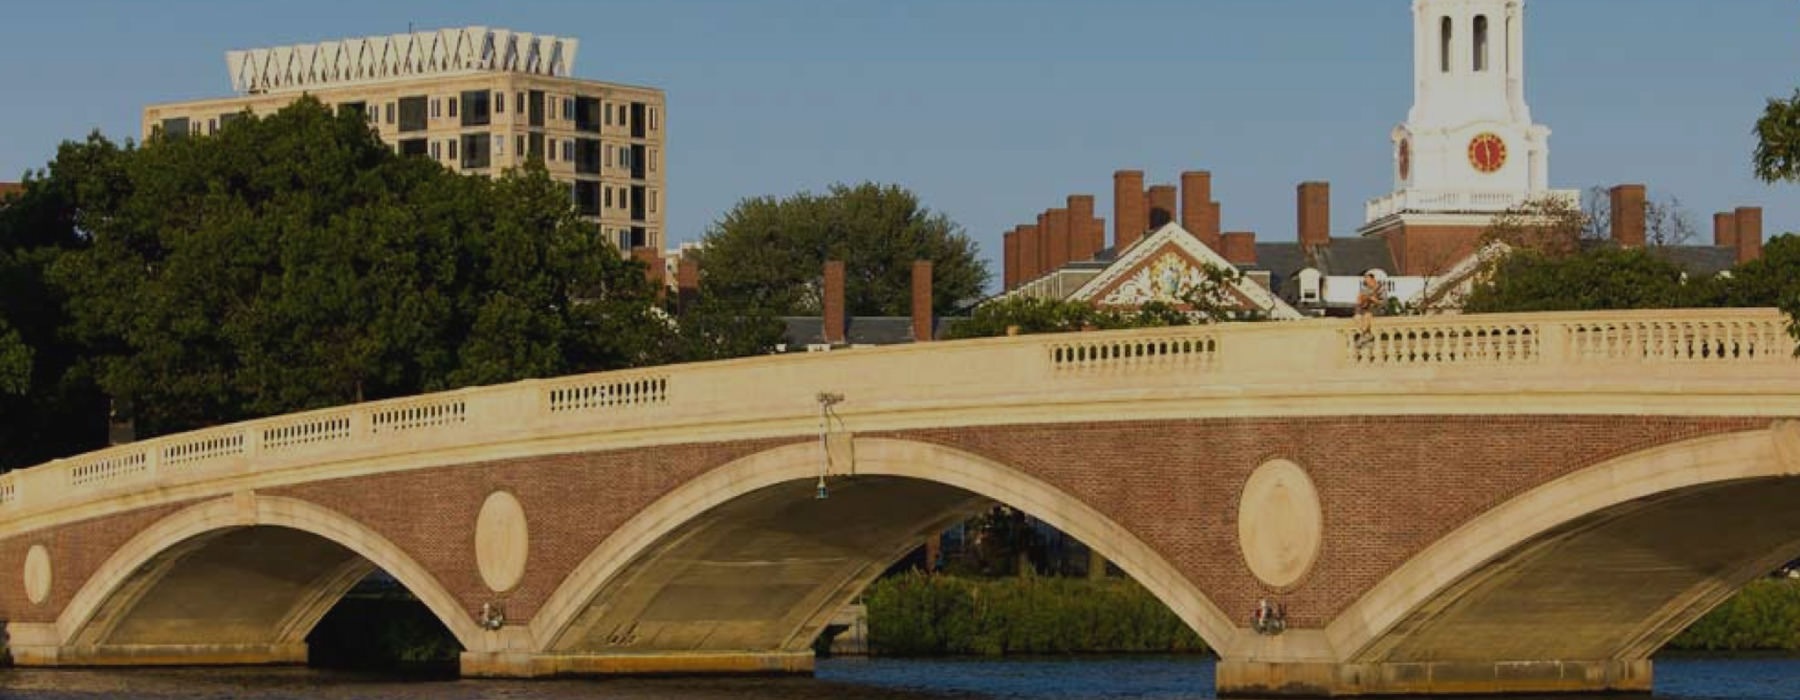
x,y
1469,130
1468,148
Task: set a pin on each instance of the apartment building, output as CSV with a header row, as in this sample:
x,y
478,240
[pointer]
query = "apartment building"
x,y
477,99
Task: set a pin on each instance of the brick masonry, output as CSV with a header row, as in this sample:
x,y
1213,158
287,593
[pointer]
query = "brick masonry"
x,y
1389,486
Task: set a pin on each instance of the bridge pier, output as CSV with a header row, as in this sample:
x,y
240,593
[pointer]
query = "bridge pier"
x,y
506,664
1239,678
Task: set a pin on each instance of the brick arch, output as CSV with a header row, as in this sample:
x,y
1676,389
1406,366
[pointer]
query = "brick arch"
x,y
195,525
1641,487
885,458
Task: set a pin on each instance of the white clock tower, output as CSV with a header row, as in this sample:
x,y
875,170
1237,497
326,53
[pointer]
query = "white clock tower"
x,y
1468,148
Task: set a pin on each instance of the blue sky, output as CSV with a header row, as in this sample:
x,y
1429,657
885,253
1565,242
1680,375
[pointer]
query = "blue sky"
x,y
993,110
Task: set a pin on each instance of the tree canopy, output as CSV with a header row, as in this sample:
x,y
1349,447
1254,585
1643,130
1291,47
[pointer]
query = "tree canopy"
x,y
294,261
768,253
1777,156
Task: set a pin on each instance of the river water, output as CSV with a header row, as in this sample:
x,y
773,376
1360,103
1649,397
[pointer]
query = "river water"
x,y
1135,678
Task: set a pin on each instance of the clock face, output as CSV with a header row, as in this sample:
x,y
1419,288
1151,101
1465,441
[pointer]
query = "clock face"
x,y
1487,152
1405,159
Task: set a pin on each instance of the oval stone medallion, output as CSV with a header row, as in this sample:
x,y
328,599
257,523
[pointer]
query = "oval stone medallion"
x,y
1280,523
37,574
501,541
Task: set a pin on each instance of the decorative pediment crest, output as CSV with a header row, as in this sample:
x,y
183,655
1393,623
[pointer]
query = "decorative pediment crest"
x,y
1168,264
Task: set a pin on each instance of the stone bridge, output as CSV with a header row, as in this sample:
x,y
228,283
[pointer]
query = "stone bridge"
x,y
1516,503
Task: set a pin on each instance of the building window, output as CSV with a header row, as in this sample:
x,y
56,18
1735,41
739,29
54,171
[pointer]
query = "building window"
x,y
653,199
1481,43
452,102
653,128
587,156
519,103
437,152
212,126
568,150
608,110
437,108
1444,44
587,114
537,108
450,147
653,158
475,108
499,145
622,121
390,113
609,157
519,146
609,198
568,109
587,197
499,103
412,113
475,154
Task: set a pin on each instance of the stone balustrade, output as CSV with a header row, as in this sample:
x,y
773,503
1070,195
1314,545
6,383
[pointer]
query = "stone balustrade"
x,y
767,396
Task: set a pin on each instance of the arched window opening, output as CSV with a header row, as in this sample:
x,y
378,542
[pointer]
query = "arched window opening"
x,y
1481,43
1444,48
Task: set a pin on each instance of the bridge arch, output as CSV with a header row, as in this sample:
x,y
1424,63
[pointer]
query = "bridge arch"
x,y
1632,505
875,458
109,596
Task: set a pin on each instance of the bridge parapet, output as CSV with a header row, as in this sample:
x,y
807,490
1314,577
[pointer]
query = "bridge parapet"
x,y
887,387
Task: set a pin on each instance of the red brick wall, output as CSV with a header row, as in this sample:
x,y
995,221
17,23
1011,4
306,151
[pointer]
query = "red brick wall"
x,y
1313,215
1628,216
1010,260
833,310
1749,228
1389,486
1239,248
1131,218
76,551
921,300
1725,229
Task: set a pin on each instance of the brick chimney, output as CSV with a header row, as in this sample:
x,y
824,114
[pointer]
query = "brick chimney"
x,y
921,301
1198,213
833,304
687,281
1029,240
654,271
1725,230
1628,216
1043,228
1009,260
1162,200
1240,248
1749,234
1083,244
1059,238
1130,217
1313,215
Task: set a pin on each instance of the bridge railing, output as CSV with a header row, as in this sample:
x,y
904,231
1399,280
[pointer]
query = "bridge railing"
x,y
775,395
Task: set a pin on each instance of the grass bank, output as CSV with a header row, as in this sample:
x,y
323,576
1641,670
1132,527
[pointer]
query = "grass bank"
x,y
915,614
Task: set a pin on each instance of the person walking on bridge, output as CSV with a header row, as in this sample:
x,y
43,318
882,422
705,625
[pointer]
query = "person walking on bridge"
x,y
1369,298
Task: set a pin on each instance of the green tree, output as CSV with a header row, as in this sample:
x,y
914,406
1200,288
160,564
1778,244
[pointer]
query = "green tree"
x,y
768,253
1777,156
1602,277
49,405
1210,301
294,261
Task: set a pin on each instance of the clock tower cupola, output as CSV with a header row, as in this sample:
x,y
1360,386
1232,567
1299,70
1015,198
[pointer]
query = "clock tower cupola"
x,y
1468,148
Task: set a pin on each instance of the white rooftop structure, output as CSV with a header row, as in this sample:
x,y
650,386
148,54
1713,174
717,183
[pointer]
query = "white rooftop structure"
x,y
398,56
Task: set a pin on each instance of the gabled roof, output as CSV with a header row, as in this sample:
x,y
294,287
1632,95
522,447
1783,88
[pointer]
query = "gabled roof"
x,y
1156,266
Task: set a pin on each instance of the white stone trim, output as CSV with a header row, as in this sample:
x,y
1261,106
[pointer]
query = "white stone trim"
x,y
364,60
1172,232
